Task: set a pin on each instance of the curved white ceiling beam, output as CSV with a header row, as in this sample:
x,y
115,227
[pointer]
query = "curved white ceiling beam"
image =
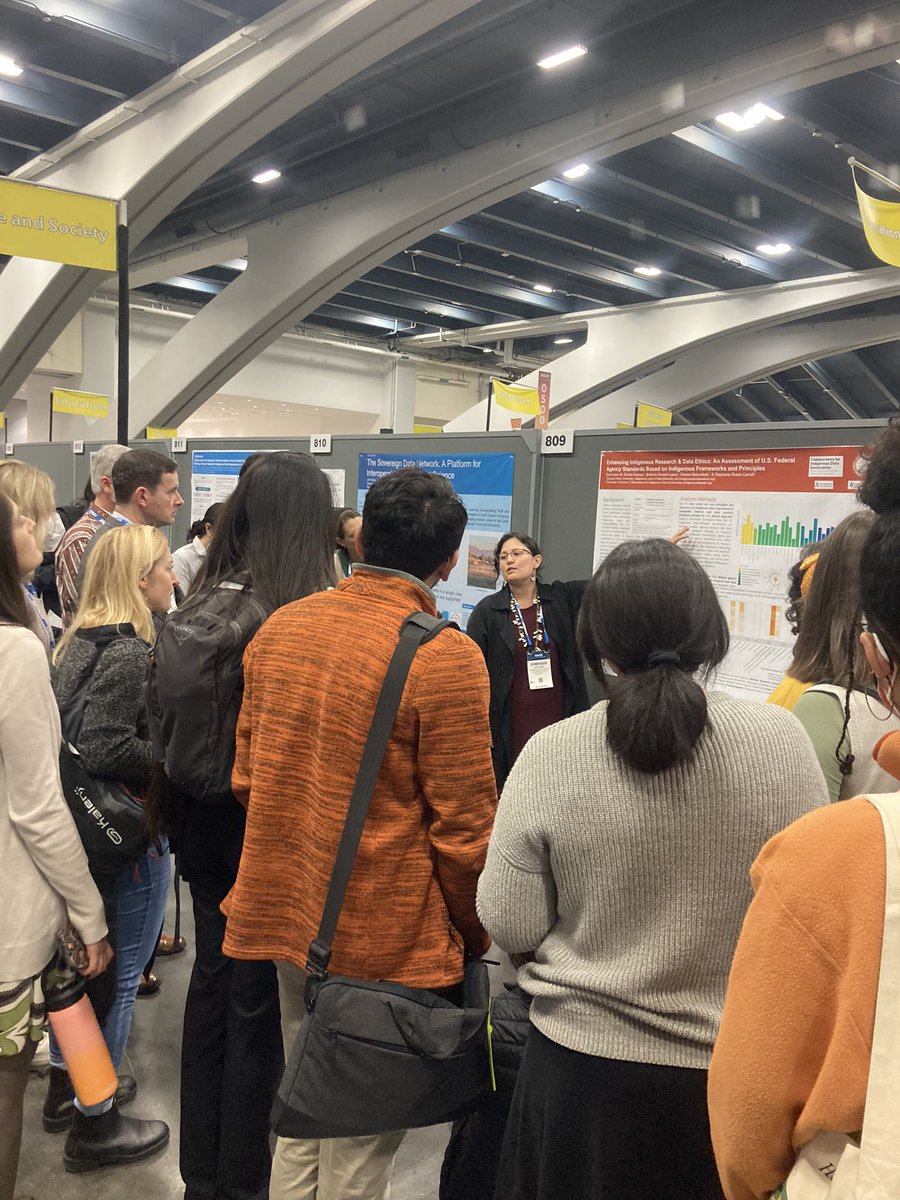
x,y
301,259
729,362
155,149
624,343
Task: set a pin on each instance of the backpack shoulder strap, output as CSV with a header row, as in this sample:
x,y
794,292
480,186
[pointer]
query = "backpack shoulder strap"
x,y
416,629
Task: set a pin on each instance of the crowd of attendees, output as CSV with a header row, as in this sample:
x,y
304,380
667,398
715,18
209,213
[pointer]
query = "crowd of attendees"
x,y
691,886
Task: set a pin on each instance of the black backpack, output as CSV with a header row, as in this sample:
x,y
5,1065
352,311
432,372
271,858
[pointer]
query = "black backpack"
x,y
196,685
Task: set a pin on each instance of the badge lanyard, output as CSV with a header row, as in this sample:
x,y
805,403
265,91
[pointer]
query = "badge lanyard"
x,y
537,657
38,610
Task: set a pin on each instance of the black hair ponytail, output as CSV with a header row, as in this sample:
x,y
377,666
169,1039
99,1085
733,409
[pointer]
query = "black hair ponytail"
x,y
651,611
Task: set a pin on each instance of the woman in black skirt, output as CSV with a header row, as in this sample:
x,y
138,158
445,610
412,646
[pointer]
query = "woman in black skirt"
x,y
620,858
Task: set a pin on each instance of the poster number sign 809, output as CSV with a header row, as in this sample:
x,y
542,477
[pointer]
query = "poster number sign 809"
x,y
558,441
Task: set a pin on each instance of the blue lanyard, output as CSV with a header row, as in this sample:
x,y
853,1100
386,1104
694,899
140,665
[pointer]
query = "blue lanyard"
x,y
39,613
542,637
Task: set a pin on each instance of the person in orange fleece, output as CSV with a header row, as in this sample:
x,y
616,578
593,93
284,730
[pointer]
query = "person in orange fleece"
x,y
792,1056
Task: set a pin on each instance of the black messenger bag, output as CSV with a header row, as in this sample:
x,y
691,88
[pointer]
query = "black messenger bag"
x,y
370,1056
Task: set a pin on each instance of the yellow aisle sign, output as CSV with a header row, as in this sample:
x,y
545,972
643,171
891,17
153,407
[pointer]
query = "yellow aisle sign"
x,y
880,218
80,404
517,399
647,415
63,227
160,435
420,429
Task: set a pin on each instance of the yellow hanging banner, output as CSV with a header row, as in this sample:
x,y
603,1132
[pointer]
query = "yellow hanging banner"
x,y
880,218
57,226
80,404
160,435
516,399
648,415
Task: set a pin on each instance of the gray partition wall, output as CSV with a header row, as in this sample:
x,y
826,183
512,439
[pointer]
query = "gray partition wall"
x,y
68,470
554,497
346,449
568,484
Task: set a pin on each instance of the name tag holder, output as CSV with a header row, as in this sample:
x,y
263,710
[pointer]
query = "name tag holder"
x,y
540,673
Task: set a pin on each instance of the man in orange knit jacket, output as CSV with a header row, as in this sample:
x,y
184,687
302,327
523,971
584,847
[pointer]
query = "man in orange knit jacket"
x,y
312,678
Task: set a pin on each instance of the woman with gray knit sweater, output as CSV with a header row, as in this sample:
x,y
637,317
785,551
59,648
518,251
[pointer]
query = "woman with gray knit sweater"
x,y
129,578
620,860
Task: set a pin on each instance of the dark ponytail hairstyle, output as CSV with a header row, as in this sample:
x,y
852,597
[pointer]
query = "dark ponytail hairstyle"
x,y
198,529
879,583
651,611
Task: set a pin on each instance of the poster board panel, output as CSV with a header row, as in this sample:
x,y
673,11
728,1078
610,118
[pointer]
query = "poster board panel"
x,y
750,514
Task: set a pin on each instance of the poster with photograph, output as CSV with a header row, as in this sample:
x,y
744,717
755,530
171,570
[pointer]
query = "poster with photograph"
x,y
214,476
484,483
750,515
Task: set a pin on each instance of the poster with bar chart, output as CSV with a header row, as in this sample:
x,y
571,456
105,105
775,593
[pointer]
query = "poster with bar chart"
x,y
750,513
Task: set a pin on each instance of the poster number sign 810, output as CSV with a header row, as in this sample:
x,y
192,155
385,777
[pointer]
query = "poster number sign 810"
x,y
558,441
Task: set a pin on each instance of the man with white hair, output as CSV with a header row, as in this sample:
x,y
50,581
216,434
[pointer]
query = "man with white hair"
x,y
71,548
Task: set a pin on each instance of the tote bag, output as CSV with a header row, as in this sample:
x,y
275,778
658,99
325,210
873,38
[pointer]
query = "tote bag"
x,y
109,819
832,1166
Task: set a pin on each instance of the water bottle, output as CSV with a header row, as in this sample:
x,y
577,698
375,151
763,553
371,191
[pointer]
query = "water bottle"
x,y
78,1035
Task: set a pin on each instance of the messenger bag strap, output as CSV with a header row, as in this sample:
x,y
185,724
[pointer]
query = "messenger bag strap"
x,y
416,629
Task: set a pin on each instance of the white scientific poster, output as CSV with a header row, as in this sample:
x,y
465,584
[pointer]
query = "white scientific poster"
x,y
484,483
214,476
750,514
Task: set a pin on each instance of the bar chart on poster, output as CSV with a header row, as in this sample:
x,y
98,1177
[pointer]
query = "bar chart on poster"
x,y
750,514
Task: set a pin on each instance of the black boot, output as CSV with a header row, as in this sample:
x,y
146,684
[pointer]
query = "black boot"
x,y
59,1103
111,1140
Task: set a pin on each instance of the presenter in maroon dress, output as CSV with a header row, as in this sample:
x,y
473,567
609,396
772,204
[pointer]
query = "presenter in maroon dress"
x,y
526,631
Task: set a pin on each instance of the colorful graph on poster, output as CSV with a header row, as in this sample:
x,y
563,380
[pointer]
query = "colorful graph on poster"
x,y
794,534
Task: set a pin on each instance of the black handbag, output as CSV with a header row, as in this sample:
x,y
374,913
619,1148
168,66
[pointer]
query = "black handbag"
x,y
371,1056
109,819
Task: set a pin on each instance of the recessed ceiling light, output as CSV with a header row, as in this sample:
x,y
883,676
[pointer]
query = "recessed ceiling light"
x,y
750,118
267,176
651,271
577,171
543,287
563,341
9,68
775,248
561,57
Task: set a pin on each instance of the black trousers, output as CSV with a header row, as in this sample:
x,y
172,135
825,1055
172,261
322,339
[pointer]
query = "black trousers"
x,y
231,1063
587,1128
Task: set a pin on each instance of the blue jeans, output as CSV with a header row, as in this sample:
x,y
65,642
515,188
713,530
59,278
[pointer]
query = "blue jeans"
x,y
141,892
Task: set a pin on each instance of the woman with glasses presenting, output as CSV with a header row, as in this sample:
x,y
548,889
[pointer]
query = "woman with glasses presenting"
x,y
526,632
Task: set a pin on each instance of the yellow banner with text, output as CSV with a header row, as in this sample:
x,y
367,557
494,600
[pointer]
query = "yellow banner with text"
x,y
648,415
880,218
517,399
57,226
154,434
80,404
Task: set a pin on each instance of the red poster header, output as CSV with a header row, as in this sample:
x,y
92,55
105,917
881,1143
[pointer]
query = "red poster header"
x,y
824,469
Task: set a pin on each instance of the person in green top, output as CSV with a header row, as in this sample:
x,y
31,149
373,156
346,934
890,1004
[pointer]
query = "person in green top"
x,y
841,713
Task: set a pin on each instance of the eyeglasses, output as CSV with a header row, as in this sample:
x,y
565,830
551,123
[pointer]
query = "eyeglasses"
x,y
511,555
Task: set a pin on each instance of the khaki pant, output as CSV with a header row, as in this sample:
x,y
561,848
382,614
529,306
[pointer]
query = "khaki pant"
x,y
335,1168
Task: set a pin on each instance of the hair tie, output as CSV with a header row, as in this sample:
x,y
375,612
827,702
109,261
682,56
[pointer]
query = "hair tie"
x,y
807,570
658,657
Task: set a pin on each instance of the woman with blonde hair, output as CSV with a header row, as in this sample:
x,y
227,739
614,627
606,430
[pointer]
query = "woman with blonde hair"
x,y
128,579
31,490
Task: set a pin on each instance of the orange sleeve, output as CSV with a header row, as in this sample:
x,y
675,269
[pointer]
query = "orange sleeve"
x,y
456,775
243,748
791,1057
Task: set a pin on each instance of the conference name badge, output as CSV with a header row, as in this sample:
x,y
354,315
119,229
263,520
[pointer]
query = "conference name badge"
x,y
540,675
